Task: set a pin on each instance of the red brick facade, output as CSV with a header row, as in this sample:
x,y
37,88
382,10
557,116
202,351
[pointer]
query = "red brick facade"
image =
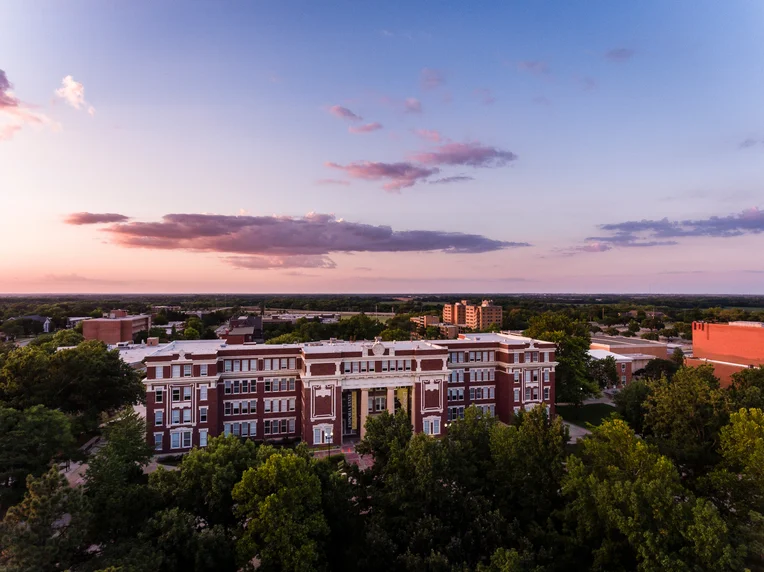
x,y
324,392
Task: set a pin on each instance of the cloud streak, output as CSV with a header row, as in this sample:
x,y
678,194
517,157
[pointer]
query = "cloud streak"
x,y
473,154
344,113
454,179
399,175
73,93
82,218
17,112
412,105
648,233
260,242
367,128
430,135
536,67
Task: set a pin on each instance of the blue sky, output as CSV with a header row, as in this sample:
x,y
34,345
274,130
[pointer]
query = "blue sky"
x,y
554,118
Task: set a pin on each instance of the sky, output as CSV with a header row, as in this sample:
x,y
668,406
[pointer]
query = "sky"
x,y
410,147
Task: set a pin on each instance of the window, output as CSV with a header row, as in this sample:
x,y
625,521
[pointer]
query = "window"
x,y
291,425
284,385
227,408
527,394
202,415
236,428
431,426
236,410
472,393
186,439
228,365
623,379
175,416
236,386
187,393
236,365
284,363
623,367
158,417
158,396
158,444
245,365
535,393
517,395
187,370
244,385
455,413
175,440
158,372
267,405
226,429
517,376
253,367
292,362
546,376
227,390
385,364
187,415
407,365
535,375
267,364
322,435
291,384
527,376
252,428
176,394
202,437
203,393
292,403
546,394
253,406
176,371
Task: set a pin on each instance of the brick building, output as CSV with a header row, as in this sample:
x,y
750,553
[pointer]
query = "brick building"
x,y
624,364
728,347
115,327
323,392
473,316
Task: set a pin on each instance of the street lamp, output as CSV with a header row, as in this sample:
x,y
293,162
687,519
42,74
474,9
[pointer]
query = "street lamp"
x,y
328,442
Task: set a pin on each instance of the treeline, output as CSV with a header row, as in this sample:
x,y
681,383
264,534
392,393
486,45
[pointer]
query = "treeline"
x,y
53,401
688,494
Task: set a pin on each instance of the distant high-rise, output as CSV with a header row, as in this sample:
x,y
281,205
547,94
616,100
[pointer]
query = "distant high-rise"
x,y
472,316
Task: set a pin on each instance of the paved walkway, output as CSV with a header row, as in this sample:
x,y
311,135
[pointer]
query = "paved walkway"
x,y
576,433
351,457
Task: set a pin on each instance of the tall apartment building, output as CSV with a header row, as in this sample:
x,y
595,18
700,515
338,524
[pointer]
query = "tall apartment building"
x,y
323,392
728,347
472,316
115,327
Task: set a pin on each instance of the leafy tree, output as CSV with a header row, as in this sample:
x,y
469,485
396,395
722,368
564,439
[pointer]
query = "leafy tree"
x,y
612,331
634,326
46,530
684,417
658,368
191,334
747,388
30,440
604,371
432,333
627,509
650,336
115,483
573,383
279,503
395,334
203,484
677,357
630,404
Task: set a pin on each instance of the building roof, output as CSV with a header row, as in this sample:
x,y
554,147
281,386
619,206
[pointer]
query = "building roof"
x,y
242,331
504,338
343,346
134,354
122,319
624,341
602,354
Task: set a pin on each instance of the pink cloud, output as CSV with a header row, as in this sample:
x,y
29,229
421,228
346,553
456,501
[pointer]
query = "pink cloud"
x,y
400,175
17,112
94,218
431,78
430,135
367,128
594,247
412,105
332,182
533,66
344,113
261,242
469,154
73,92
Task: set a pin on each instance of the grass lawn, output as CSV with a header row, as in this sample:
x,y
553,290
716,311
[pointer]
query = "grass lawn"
x,y
594,413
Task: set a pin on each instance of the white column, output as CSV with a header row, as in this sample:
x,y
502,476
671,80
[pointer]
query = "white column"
x,y
391,400
364,405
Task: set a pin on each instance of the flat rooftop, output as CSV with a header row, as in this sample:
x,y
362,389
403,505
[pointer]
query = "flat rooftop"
x,y
343,346
623,341
602,354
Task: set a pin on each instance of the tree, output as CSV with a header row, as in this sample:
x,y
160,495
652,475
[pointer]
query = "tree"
x,y
191,334
604,371
46,530
747,388
678,357
658,368
627,509
630,404
395,334
683,417
634,326
611,331
203,484
30,440
115,483
279,504
650,336
573,383
386,436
